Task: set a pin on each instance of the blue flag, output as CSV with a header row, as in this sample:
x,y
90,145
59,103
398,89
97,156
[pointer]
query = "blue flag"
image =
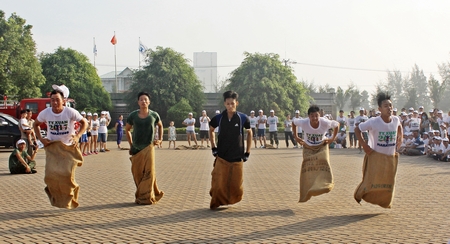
x,y
142,48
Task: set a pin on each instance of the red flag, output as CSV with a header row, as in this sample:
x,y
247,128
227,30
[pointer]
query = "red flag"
x,y
114,40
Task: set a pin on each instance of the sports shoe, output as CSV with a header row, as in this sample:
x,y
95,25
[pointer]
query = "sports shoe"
x,y
295,146
262,147
33,171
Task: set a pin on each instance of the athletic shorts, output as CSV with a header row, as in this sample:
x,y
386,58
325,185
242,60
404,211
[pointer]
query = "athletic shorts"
x,y
190,132
352,136
102,137
254,132
261,132
204,134
84,138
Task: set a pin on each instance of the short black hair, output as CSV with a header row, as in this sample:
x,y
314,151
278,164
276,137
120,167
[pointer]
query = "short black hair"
x,y
23,111
341,111
381,96
313,109
57,92
352,111
230,94
28,110
143,93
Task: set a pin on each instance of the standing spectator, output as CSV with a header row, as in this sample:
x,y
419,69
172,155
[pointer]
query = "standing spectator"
x,y
119,130
358,120
204,128
34,146
230,153
272,121
83,138
299,129
172,134
253,123
157,137
94,132
89,135
288,131
19,160
216,130
351,129
434,119
189,122
142,150
420,110
25,129
262,120
102,130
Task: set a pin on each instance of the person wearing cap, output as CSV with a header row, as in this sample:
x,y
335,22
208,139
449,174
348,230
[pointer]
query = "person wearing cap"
x,y
262,120
361,118
437,150
381,159
272,121
61,188
216,131
446,150
95,124
19,160
142,150
299,129
189,122
204,128
341,138
253,123
394,112
103,123
417,147
421,109
443,130
230,152
288,131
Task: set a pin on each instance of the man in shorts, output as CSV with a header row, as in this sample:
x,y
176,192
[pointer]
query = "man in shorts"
x,y
253,122
189,122
262,120
204,128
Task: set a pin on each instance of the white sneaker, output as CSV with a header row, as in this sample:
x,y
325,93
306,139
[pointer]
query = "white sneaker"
x,y
295,146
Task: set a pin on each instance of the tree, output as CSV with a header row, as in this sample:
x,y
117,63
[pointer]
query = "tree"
x,y
436,90
365,99
411,96
168,78
20,71
354,96
418,81
262,79
340,98
395,84
73,69
177,113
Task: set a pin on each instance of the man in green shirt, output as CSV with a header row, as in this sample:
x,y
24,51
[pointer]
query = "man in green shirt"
x,y
19,160
141,140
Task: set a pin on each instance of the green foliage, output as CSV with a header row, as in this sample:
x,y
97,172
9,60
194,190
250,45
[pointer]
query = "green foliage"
x,y
73,69
436,90
340,98
178,112
20,71
168,78
262,80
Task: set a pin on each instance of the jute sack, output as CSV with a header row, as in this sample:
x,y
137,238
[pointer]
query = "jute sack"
x,y
61,162
226,183
377,186
144,175
316,177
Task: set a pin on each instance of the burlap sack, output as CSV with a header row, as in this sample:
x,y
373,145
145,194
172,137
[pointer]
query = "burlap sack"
x,y
316,177
377,186
144,175
226,183
61,162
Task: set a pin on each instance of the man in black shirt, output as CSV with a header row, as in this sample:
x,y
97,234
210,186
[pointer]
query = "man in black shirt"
x,y
230,153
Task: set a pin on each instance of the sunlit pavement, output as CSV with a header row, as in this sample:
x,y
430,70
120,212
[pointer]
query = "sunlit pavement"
x,y
269,212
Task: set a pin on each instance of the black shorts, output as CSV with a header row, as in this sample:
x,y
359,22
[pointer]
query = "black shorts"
x,y
254,132
88,133
204,134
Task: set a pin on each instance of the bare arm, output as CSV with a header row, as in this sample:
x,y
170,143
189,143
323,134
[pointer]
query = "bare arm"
x,y
249,140
399,136
364,144
128,132
212,137
37,131
160,133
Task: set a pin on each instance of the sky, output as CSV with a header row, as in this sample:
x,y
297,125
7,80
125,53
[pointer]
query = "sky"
x,y
333,42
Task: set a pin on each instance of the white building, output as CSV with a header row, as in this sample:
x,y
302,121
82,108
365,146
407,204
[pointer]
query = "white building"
x,y
124,79
205,66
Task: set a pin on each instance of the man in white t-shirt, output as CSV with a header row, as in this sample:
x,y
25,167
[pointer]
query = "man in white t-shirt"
x,y
204,128
262,120
253,123
272,121
351,129
358,120
189,122
341,138
314,128
385,131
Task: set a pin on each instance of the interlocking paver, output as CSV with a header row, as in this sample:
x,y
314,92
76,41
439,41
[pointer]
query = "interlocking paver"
x,y
269,212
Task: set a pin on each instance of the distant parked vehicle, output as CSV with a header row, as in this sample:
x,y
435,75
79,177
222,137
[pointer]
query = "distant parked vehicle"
x,y
9,130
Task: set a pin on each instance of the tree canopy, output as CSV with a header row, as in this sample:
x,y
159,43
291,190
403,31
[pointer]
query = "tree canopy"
x,y
20,71
263,82
73,69
168,78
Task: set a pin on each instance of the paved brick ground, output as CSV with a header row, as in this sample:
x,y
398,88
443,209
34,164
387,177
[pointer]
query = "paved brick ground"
x,y
269,212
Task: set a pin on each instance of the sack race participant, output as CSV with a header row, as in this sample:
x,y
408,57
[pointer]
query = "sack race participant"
x,y
142,151
227,175
381,159
316,177
62,153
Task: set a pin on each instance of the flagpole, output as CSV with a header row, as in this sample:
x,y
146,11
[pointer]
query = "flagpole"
x,y
115,64
139,52
94,52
